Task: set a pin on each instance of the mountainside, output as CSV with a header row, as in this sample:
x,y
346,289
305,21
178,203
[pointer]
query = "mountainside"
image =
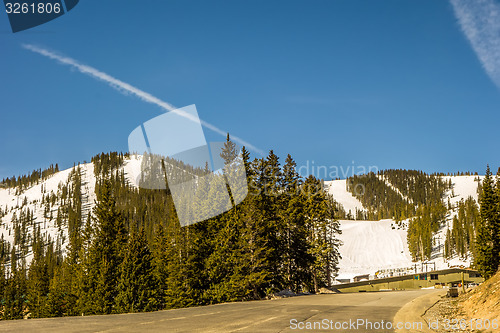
x,y
89,240
370,247
381,247
39,206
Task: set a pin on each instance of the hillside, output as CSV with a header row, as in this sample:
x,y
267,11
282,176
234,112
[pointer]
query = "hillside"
x,y
89,240
369,247
372,246
15,203
338,189
43,213
381,247
483,301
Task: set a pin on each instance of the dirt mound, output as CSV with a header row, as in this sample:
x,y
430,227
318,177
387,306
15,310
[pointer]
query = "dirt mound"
x,y
483,302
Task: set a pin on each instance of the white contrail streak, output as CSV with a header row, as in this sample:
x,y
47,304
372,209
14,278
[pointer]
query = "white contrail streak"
x,y
127,88
480,22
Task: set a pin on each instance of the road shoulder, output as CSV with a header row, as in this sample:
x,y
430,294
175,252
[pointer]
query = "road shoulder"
x,y
412,312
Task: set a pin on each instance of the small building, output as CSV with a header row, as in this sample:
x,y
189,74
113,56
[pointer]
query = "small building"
x,y
359,278
446,277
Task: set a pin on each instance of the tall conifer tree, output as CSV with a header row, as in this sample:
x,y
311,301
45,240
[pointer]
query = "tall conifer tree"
x,y
487,258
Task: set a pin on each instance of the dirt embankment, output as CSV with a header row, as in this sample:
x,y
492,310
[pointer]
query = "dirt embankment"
x,y
484,301
477,310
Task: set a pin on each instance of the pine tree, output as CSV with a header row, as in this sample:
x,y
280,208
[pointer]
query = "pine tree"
x,y
487,258
15,290
322,227
229,151
137,287
38,284
56,304
106,251
160,263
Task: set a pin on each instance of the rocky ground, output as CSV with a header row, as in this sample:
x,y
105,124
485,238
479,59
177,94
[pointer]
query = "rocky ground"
x,y
447,316
476,310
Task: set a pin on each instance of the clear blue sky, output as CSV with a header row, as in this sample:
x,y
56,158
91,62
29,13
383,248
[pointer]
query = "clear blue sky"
x,y
392,84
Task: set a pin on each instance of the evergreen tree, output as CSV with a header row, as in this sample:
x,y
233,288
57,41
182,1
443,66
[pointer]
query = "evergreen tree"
x,y
137,288
38,284
106,251
487,258
229,151
322,228
15,290
160,263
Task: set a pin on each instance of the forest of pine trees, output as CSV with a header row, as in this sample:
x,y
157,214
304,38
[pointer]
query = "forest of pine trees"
x,y
460,239
21,183
422,227
380,200
404,194
131,254
410,189
420,188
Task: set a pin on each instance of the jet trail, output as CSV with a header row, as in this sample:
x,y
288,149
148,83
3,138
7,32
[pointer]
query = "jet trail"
x,y
480,23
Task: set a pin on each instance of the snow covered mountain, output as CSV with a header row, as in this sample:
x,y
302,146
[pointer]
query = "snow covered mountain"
x,y
369,247
14,204
381,247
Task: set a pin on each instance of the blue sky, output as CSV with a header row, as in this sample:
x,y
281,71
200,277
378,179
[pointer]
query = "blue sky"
x,y
392,84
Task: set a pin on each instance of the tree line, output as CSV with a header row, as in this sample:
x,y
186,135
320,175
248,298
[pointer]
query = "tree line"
x,y
132,255
404,194
461,236
25,181
380,200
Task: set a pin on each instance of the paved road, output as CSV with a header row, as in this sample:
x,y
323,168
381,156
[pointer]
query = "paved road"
x,y
282,315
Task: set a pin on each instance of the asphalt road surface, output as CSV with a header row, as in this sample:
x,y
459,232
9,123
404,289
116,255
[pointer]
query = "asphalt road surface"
x,y
332,311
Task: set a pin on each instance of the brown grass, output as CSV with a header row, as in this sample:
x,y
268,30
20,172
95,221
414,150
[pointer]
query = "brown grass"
x,y
483,302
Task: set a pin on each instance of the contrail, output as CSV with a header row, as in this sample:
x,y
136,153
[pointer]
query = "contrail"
x,y
480,23
127,88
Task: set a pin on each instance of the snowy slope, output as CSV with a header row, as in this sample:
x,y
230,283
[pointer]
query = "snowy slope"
x,y
463,187
371,246
337,188
132,168
374,246
33,196
31,199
